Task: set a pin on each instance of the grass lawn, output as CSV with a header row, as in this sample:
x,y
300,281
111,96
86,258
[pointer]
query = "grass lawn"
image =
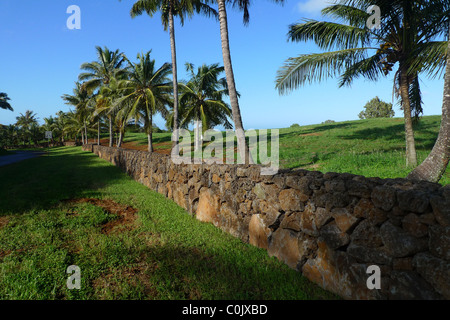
x,y
130,243
373,148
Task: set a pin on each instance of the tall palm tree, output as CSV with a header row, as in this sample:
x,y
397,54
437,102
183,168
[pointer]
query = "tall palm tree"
x,y
244,6
81,99
147,91
169,9
408,37
4,104
201,99
437,161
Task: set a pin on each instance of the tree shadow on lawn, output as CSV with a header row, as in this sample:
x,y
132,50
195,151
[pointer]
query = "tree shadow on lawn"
x,y
42,182
396,132
316,129
183,272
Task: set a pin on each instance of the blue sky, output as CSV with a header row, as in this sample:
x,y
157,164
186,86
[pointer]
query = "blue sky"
x,y
40,58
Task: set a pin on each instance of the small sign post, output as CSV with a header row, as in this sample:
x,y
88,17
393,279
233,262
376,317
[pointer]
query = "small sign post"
x,y
48,135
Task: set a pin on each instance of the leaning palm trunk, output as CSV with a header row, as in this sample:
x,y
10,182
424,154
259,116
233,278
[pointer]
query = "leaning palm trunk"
x,y
85,132
150,135
236,112
111,142
436,163
175,79
119,142
411,156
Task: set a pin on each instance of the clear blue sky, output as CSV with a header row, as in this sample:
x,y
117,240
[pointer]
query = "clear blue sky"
x,y
40,58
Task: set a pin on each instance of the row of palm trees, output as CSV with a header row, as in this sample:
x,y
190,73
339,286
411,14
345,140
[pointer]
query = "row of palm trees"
x,y
117,92
28,132
412,36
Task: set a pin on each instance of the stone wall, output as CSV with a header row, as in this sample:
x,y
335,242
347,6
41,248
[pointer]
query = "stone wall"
x,y
331,227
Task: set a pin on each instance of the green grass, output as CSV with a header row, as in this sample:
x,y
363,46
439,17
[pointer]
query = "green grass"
x,y
164,254
373,148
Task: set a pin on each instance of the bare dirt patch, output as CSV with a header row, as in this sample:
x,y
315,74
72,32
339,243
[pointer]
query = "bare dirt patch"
x,y
126,214
136,275
4,221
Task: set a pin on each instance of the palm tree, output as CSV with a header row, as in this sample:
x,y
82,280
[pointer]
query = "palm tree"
x,y
50,125
25,122
202,99
408,36
4,104
147,91
106,98
169,9
98,73
436,163
60,125
74,125
81,100
244,6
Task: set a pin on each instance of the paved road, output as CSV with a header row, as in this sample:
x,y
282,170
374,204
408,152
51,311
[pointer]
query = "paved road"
x,y
18,156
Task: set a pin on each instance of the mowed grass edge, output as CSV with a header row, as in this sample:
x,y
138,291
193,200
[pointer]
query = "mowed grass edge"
x,y
164,253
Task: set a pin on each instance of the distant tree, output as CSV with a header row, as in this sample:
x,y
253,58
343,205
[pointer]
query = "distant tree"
x,y
27,123
295,125
328,122
376,108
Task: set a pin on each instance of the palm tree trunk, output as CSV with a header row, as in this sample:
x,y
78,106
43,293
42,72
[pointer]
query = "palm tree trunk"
x,y
411,156
110,132
437,161
175,79
119,142
98,133
85,132
150,135
197,135
236,112
82,137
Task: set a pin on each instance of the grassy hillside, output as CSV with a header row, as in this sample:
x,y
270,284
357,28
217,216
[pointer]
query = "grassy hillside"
x,y
373,147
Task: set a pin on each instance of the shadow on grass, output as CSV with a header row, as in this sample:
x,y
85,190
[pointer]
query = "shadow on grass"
x,y
316,129
41,182
196,274
425,137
